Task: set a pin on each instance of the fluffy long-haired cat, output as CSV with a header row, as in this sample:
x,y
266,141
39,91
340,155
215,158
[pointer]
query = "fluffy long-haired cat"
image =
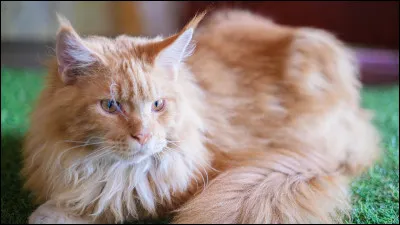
x,y
259,123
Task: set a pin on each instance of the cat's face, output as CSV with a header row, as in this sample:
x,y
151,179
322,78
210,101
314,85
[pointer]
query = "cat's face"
x,y
130,112
123,93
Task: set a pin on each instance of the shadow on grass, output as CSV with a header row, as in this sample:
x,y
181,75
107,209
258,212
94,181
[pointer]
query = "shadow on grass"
x,y
15,203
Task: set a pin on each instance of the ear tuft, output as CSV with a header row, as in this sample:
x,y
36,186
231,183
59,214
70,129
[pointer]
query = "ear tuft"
x,y
71,51
195,21
62,21
176,52
178,47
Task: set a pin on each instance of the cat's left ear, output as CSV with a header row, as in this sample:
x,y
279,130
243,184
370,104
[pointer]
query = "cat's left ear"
x,y
74,57
175,49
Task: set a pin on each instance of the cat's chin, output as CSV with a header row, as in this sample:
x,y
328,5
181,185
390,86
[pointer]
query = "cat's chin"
x,y
135,158
139,156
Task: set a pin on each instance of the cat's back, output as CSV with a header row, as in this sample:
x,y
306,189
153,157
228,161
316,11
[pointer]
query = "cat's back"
x,y
264,79
232,42
239,49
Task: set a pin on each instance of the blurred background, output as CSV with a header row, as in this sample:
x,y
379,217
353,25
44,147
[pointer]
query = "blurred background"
x,y
28,31
28,28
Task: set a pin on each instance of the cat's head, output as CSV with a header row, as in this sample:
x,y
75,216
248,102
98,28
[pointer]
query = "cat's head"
x,y
123,96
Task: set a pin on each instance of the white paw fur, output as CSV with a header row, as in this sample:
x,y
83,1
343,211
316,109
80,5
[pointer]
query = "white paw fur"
x,y
49,214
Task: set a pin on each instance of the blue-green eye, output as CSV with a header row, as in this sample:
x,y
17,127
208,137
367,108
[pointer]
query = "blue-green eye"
x,y
158,105
109,105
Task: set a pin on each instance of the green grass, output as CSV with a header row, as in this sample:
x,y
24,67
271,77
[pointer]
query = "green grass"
x,y
375,194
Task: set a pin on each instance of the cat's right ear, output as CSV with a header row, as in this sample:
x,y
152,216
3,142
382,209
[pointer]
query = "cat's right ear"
x,y
73,56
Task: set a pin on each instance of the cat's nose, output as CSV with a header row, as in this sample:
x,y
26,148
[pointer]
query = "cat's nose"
x,y
141,137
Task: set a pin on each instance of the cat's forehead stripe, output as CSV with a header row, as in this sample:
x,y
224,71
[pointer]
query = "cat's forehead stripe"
x,y
143,84
127,84
136,83
124,82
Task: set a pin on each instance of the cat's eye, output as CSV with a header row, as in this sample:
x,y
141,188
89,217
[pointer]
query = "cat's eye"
x,y
158,105
109,105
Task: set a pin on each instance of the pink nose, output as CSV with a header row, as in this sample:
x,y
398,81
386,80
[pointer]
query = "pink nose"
x,y
142,138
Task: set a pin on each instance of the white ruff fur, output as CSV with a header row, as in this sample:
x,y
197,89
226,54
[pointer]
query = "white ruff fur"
x,y
106,184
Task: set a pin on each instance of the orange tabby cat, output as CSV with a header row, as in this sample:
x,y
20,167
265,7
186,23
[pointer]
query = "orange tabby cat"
x,y
262,123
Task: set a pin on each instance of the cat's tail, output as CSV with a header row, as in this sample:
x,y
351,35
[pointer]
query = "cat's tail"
x,y
282,187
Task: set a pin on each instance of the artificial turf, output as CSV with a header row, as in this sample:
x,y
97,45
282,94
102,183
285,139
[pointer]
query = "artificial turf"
x,y
375,194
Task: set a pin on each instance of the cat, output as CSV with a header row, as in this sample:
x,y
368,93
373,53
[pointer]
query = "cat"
x,y
234,119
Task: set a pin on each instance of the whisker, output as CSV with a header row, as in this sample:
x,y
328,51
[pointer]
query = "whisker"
x,y
189,155
168,141
99,153
85,142
59,158
205,181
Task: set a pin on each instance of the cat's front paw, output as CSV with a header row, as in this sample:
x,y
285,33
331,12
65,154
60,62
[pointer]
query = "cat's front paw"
x,y
49,214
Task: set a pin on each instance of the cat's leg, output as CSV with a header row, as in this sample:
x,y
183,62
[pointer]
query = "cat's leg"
x,y
48,213
282,189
